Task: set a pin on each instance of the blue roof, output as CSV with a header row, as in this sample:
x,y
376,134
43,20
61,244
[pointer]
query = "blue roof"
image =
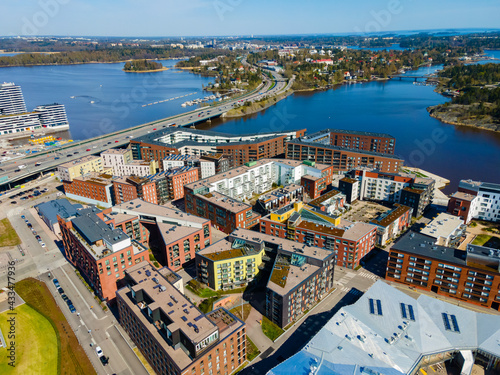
x,y
61,207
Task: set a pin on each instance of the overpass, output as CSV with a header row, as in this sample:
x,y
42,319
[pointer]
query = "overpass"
x,y
50,159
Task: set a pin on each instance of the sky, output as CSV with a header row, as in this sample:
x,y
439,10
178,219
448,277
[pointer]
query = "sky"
x,y
240,17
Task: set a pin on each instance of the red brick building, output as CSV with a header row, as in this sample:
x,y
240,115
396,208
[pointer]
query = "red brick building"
x,y
468,275
359,140
172,334
238,149
340,158
463,205
94,188
315,186
350,241
177,178
99,252
131,187
226,214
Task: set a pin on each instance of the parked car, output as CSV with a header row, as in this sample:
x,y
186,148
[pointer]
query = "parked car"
x,y
23,217
60,290
26,221
34,232
104,360
64,297
38,237
99,351
42,244
69,302
13,202
72,308
87,149
56,283
57,158
30,226
76,152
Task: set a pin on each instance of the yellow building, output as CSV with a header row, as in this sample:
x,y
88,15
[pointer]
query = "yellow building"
x,y
77,168
230,263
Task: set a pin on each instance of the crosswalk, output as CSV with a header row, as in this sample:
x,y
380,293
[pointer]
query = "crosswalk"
x,y
369,276
346,278
355,292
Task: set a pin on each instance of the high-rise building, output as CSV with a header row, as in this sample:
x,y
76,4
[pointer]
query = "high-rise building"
x,y
11,99
52,115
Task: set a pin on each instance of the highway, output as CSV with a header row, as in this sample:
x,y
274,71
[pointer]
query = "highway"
x,y
49,160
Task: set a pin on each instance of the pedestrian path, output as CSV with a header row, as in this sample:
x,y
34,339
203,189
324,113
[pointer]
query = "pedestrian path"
x,y
346,278
355,292
369,276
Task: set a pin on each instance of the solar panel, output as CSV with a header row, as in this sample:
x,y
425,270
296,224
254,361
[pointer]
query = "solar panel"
x,y
198,318
455,323
403,310
379,307
372,307
446,321
410,310
184,318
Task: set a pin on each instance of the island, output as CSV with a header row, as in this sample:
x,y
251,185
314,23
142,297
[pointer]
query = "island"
x,y
143,66
475,93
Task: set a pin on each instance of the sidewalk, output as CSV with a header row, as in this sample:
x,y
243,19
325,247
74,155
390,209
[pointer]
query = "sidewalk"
x,y
254,331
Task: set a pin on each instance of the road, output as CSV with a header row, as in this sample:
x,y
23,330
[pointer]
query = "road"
x,y
49,160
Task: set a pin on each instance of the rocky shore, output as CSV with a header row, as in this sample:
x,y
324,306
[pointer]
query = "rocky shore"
x,y
459,114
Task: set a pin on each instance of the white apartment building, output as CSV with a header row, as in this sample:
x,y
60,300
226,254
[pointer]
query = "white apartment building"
x,y
257,177
446,229
122,163
207,168
486,205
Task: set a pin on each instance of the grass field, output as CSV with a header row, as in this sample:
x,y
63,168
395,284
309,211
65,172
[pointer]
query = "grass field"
x,y
252,350
8,236
36,349
270,329
487,240
72,359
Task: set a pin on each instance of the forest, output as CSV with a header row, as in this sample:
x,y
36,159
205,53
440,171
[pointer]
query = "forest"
x,y
142,66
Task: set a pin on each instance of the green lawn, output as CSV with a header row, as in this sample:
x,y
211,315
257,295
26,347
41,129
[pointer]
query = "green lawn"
x,y
8,235
252,350
36,343
487,240
270,329
207,305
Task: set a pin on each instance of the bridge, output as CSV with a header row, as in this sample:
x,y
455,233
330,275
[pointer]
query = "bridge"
x,y
415,78
10,175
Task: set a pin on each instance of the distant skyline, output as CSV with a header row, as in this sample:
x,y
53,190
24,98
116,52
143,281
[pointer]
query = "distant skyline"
x,y
240,17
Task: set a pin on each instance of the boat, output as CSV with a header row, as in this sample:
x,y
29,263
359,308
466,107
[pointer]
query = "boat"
x,y
72,97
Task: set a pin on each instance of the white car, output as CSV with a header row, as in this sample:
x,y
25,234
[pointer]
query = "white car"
x,y
98,351
42,244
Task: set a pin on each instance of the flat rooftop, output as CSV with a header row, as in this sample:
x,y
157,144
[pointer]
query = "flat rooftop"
x,y
318,201
280,192
181,312
420,244
299,141
173,233
163,214
226,202
115,151
463,196
444,225
96,178
387,218
235,172
82,160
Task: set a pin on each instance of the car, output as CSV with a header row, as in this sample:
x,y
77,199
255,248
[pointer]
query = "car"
x,y
154,129
13,202
38,237
38,164
29,225
99,351
60,290
30,196
76,152
116,141
34,232
88,149
69,155
69,302
26,221
104,360
94,146
23,217
57,158
56,283
23,198
109,143
42,244
64,297
72,308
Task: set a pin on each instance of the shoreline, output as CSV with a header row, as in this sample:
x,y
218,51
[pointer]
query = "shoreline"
x,y
257,110
457,123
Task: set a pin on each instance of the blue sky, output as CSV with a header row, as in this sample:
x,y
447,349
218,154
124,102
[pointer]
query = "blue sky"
x,y
239,17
